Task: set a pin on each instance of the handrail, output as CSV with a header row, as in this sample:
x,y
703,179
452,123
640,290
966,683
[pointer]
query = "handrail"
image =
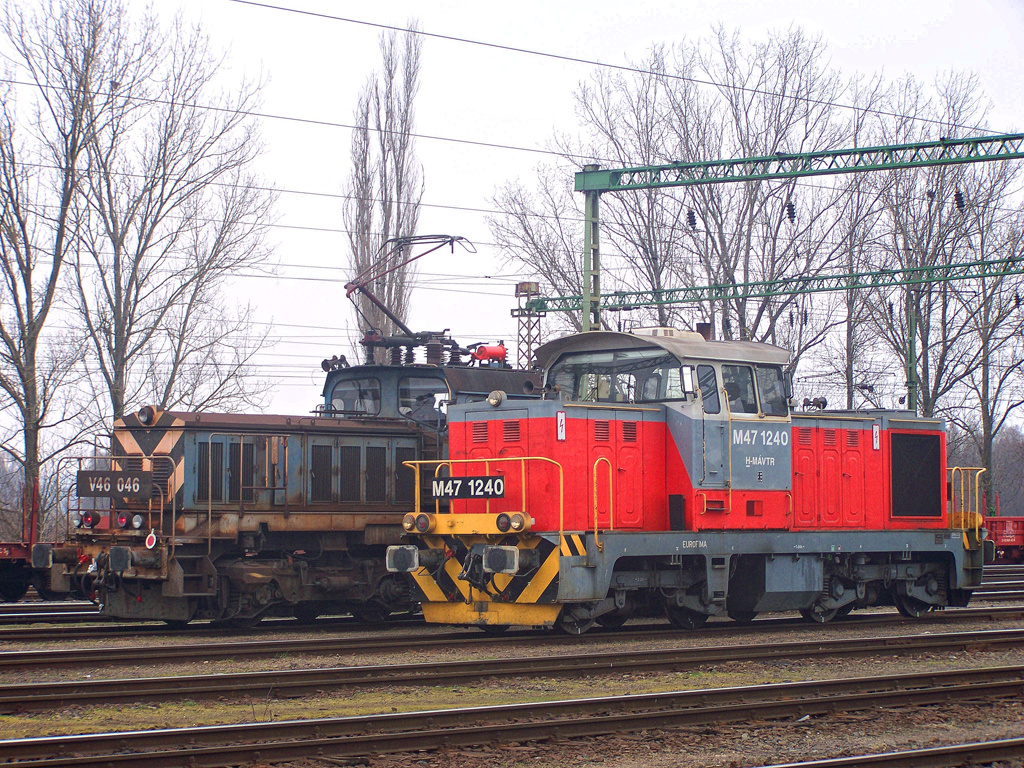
x,y
611,500
967,515
415,466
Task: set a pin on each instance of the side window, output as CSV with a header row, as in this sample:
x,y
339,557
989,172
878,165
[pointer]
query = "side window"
x,y
419,399
708,383
357,396
772,390
738,382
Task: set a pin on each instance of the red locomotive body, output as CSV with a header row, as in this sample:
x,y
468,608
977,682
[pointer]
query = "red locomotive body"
x,y
668,474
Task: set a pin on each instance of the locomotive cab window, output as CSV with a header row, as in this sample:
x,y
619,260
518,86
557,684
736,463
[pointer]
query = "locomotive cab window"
x,y
357,397
622,376
738,382
708,383
772,389
420,399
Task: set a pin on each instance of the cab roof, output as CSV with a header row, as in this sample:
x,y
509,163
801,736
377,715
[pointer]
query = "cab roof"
x,y
685,345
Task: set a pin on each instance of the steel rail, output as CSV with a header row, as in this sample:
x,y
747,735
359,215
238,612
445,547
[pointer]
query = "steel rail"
x,y
97,656
952,756
226,745
38,696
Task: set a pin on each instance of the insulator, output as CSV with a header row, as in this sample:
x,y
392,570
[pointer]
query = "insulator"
x,y
791,210
958,200
454,358
930,194
890,310
410,355
806,315
396,355
1016,300
691,219
435,353
791,318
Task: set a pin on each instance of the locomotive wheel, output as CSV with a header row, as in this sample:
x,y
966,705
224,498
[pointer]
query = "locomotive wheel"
x,y
685,618
306,614
844,610
612,620
818,615
742,617
13,585
245,622
371,613
910,607
42,585
570,625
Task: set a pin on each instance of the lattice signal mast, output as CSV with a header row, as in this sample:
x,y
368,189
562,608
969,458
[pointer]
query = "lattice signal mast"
x,y
528,333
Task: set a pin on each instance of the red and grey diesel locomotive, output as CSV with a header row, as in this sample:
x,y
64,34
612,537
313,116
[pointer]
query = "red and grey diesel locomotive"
x,y
234,517
667,474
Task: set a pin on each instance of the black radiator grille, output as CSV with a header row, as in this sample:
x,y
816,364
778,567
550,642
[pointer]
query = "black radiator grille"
x,y
376,473
351,467
320,460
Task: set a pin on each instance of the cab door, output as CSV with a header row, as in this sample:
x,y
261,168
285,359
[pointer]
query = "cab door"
x,y
711,441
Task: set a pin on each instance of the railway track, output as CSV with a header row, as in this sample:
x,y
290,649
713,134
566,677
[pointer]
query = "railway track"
x,y
319,644
952,756
291,683
413,731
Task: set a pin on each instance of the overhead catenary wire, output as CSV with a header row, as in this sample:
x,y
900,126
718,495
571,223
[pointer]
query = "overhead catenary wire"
x,y
605,65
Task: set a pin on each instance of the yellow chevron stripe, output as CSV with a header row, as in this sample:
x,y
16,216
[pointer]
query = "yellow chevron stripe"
x,y
128,444
578,540
430,588
540,581
168,442
453,569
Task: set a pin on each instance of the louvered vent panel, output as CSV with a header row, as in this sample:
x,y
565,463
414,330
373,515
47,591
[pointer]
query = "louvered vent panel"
x,y
602,430
852,438
803,435
320,460
376,473
629,431
351,466
830,437
480,431
511,431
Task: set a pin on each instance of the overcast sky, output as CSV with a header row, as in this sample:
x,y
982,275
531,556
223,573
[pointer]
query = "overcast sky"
x,y
315,67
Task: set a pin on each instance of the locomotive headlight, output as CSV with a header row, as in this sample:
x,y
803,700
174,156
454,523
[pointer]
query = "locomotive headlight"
x,y
137,522
424,523
89,519
122,519
517,522
504,522
409,523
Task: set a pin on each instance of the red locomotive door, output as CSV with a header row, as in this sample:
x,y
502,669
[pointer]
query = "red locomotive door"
x,y
830,499
629,472
853,481
602,429
805,479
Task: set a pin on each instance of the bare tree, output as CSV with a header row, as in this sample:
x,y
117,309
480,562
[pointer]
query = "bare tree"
x,y
777,96
169,212
385,186
543,232
69,55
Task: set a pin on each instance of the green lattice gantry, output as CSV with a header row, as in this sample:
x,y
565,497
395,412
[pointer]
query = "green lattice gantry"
x,y
786,166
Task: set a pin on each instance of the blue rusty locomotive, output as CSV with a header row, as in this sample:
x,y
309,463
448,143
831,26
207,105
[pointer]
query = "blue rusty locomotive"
x,y
245,516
